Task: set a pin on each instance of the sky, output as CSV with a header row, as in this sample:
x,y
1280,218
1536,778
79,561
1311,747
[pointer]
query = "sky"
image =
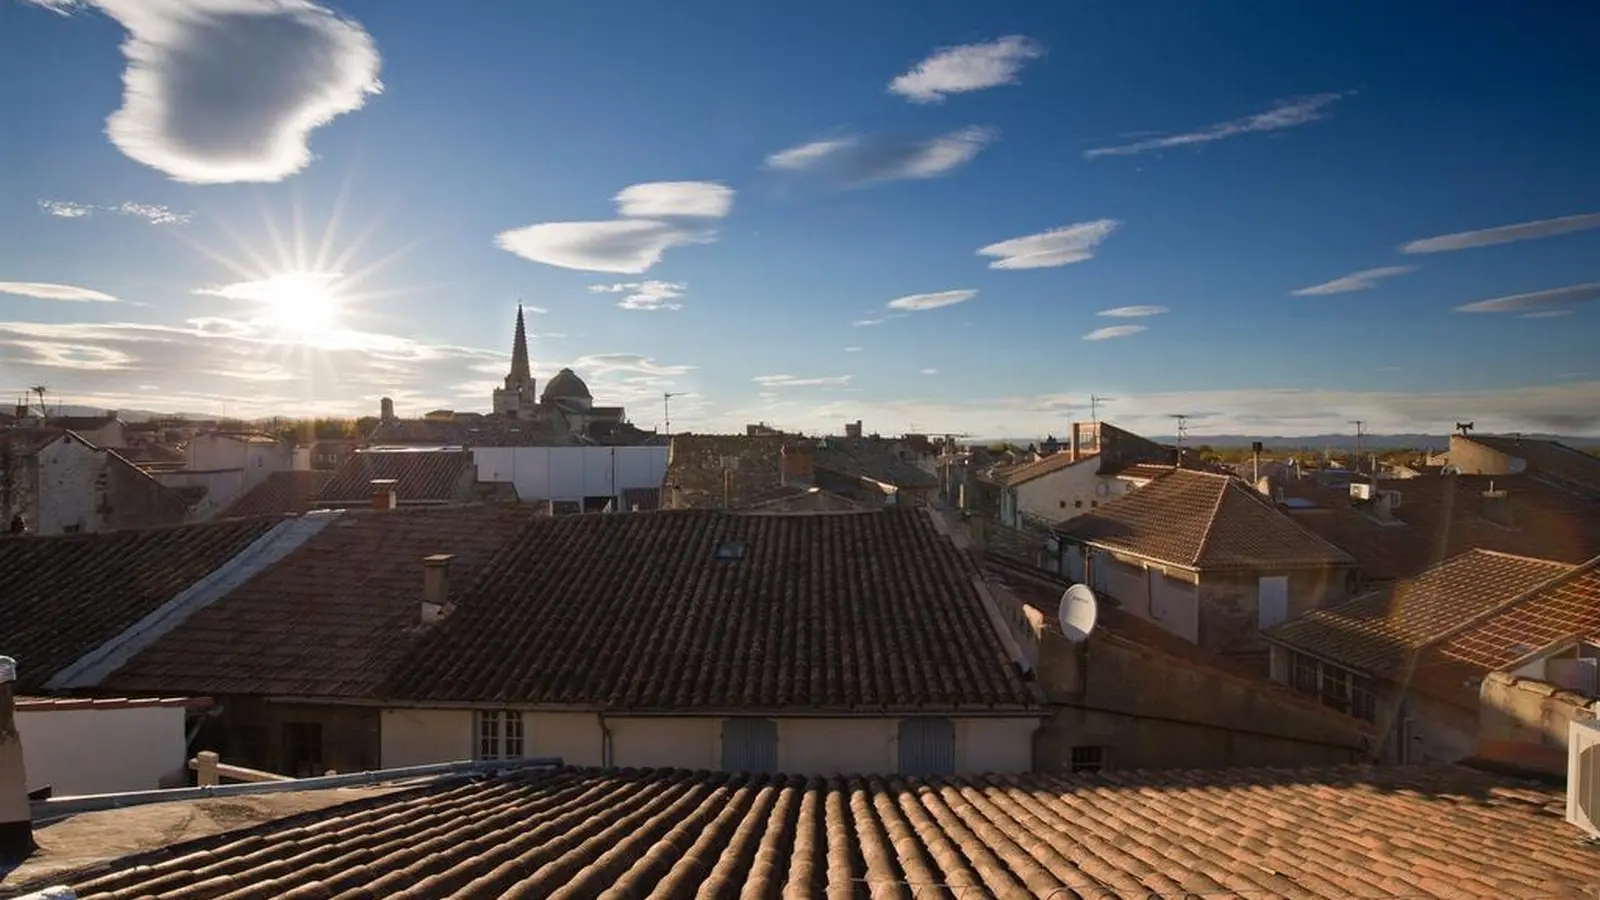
x,y
1275,219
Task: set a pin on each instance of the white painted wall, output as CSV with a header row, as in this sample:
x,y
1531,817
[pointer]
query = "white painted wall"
x,y
96,751
222,487
70,477
1171,603
1070,492
572,473
255,459
806,746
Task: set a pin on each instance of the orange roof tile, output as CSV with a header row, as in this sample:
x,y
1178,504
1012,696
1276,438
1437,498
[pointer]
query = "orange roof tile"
x,y
1314,834
1201,521
1568,607
419,475
1039,468
1383,631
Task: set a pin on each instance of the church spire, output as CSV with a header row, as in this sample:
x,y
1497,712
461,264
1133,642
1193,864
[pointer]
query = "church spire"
x,y
521,373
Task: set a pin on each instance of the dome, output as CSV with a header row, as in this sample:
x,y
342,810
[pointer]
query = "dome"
x,y
565,386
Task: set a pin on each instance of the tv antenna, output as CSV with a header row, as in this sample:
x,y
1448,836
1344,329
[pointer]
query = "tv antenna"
x,y
1358,423
1464,427
666,409
1094,406
1078,613
40,390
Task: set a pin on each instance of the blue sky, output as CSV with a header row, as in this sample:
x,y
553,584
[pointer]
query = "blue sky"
x,y
1240,183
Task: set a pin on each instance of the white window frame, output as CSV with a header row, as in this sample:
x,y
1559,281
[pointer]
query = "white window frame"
x,y
498,734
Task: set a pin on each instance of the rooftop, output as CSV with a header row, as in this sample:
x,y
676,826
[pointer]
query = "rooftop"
x,y
1554,459
420,475
66,595
1384,631
1200,520
281,493
1319,833
703,609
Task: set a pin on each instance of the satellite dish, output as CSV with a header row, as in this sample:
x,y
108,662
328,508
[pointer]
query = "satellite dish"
x,y
1078,613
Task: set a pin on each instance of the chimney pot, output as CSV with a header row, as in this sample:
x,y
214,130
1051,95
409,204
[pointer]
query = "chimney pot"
x,y
435,586
383,493
16,818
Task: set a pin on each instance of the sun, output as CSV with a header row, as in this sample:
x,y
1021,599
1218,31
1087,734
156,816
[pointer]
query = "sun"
x,y
301,303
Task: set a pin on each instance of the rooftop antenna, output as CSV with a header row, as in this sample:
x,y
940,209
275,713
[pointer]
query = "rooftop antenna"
x,y
666,409
1094,407
41,390
1464,427
1077,613
1183,432
1358,423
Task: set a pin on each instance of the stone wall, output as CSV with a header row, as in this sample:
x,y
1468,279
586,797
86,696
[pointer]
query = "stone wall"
x,y
1526,721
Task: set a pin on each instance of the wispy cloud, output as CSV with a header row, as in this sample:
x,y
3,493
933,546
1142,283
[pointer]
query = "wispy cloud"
x,y
666,199
1546,314
66,292
1505,234
266,289
1282,114
1553,300
920,302
852,349
969,67
230,90
644,295
783,381
152,213
1056,247
857,161
1113,331
930,371
627,246
1133,312
1355,281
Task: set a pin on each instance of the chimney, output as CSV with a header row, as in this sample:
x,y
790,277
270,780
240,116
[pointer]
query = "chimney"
x,y
16,825
1497,507
435,586
1077,436
852,429
383,493
385,410
797,463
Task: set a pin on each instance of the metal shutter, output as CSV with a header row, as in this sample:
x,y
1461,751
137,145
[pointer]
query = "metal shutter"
x,y
749,745
927,747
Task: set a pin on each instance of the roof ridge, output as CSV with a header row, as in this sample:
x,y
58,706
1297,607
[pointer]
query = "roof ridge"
x,y
1211,521
1522,556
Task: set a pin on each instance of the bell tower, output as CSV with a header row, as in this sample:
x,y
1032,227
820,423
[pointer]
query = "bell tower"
x,y
517,400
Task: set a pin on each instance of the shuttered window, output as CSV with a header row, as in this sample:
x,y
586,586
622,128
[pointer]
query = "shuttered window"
x,y
749,745
927,746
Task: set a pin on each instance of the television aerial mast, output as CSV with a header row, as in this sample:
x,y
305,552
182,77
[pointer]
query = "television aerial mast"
x,y
1094,406
666,410
1183,432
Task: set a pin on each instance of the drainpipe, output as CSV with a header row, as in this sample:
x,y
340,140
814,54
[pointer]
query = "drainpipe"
x,y
605,740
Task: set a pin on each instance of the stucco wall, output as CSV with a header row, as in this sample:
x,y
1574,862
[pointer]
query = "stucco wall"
x,y
571,473
1230,603
68,486
807,746
1148,709
1472,458
222,486
1529,720
95,751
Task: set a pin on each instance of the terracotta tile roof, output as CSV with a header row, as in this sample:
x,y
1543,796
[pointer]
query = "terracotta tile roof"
x,y
332,617
1551,458
72,704
868,457
1383,631
420,476
281,493
1202,521
65,595
1567,607
1039,468
1444,516
826,611
641,499
696,463
1241,833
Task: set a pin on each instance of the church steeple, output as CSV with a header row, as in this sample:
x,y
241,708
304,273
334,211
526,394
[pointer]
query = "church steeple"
x,y
521,373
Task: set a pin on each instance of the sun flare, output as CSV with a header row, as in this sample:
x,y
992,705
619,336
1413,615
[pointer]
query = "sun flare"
x,y
300,302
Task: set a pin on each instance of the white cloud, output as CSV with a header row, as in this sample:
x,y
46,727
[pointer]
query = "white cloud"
x,y
878,320
267,289
1047,249
781,381
969,67
59,7
1546,314
67,292
1505,234
152,213
623,246
65,210
645,295
1538,301
930,371
1283,114
1364,280
920,302
1133,312
230,90
807,155
657,199
1113,331
857,161
852,349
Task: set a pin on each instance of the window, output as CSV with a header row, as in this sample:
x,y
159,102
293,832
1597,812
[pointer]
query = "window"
x,y
1087,759
1304,676
1336,688
730,550
749,745
302,749
1063,504
500,734
927,746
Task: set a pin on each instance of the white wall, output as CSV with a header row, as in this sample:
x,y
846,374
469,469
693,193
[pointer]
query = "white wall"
x,y
222,487
96,751
69,485
1171,603
571,473
806,746
1057,497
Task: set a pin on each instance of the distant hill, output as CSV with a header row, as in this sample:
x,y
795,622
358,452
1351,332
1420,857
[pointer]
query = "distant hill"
x,y
1336,442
